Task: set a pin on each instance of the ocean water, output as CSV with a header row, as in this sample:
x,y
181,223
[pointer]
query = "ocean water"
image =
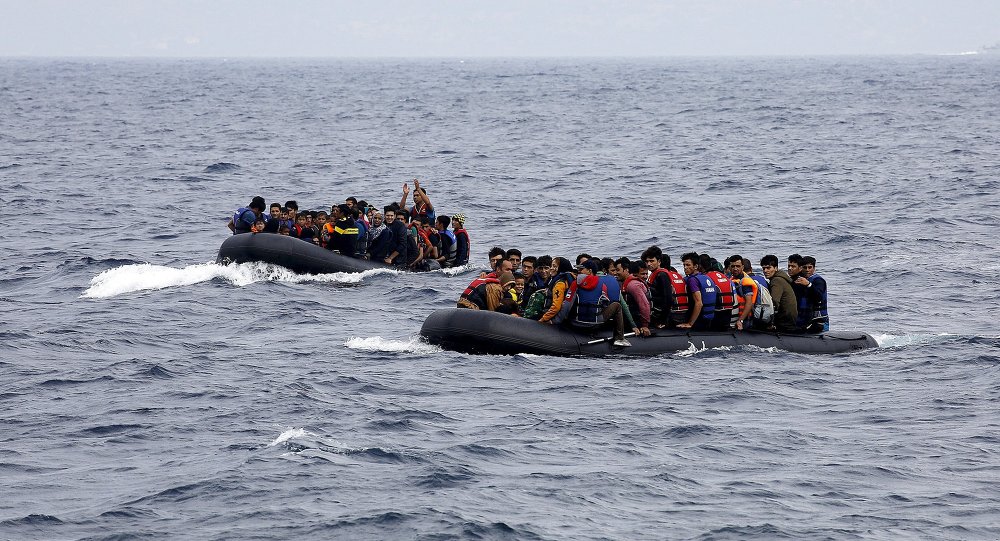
x,y
149,393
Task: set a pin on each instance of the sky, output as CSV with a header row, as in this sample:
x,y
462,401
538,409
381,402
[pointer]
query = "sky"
x,y
508,28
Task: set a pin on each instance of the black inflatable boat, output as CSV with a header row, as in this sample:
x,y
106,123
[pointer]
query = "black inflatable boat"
x,y
475,331
293,254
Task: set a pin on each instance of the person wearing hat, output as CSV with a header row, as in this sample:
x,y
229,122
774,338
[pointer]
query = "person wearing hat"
x,y
462,245
508,303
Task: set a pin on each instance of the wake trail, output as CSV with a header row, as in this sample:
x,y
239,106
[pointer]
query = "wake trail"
x,y
147,277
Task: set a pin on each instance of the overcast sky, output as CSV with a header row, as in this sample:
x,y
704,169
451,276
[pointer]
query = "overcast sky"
x,y
452,28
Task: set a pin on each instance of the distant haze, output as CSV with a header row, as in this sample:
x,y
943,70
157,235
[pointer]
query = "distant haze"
x,y
453,28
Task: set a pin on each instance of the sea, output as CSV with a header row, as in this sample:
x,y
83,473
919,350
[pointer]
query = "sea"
x,y
148,392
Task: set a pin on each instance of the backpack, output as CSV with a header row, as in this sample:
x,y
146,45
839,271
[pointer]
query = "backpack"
x,y
535,306
763,309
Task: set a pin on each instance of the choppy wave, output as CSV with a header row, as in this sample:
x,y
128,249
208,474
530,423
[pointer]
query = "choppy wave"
x,y
147,277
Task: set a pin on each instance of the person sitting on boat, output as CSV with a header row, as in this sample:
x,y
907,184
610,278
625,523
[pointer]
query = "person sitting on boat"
x,y
463,246
495,255
449,246
531,278
398,254
321,236
659,287
380,239
519,281
558,292
726,306
747,292
299,230
344,237
258,226
421,202
514,256
596,302
431,239
702,293
291,213
635,293
815,295
283,230
483,293
414,250
780,285
273,220
244,217
759,278
361,246
509,302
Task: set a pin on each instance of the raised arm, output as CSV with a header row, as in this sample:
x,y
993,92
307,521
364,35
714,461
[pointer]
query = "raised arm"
x,y
406,193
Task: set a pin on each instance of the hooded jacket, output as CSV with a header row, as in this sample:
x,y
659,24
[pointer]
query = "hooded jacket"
x,y
785,305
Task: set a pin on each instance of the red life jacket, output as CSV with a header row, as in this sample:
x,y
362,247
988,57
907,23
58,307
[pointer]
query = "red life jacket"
x,y
476,292
682,299
725,298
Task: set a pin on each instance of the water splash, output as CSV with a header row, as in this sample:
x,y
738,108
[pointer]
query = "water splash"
x,y
289,434
146,277
905,340
379,344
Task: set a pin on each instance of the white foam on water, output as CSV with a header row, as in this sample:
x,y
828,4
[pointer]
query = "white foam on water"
x,y
694,350
378,344
455,271
289,434
894,341
147,277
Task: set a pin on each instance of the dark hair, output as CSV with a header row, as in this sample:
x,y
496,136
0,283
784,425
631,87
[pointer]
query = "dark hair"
x,y
496,251
292,205
606,263
512,251
636,266
582,257
690,256
257,204
404,213
747,267
321,213
530,259
544,261
363,204
808,260
352,200
624,262
652,251
344,209
795,258
769,260
444,220
425,220
705,262
665,261
564,265
275,205
357,212
258,199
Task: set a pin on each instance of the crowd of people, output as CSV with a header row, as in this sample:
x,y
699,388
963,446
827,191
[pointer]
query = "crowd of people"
x,y
649,294
413,238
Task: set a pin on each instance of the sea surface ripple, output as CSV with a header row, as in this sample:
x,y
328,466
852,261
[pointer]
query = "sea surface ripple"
x,y
147,392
